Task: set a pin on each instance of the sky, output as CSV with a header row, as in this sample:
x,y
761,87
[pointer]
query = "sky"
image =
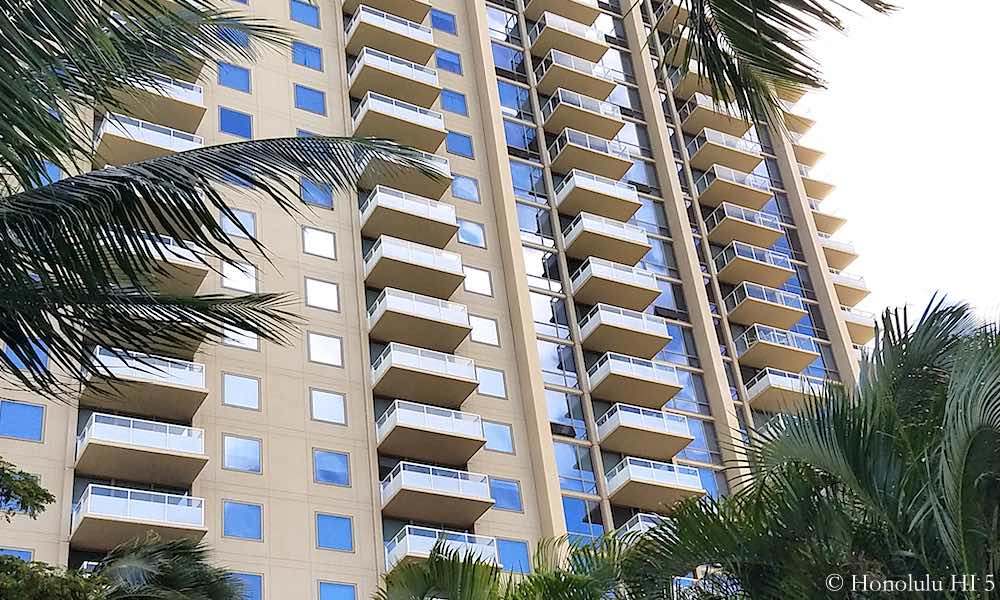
x,y
910,124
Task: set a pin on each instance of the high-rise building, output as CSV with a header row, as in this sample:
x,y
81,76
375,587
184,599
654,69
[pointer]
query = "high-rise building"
x,y
612,280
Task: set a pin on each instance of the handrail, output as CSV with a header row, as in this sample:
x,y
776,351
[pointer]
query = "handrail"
x,y
558,57
756,291
788,379
749,215
772,335
638,367
443,310
414,252
116,118
363,9
372,98
563,96
638,320
607,226
575,174
744,250
561,23
732,175
143,505
659,419
439,479
423,540
718,137
658,471
589,141
706,101
430,360
385,57
606,268
411,203
442,419
148,366
141,432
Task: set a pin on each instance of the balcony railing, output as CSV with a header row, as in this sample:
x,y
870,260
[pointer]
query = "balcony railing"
x,y
123,503
558,57
739,249
412,252
706,101
413,540
860,315
418,305
605,226
630,366
394,64
571,98
640,523
435,480
848,278
563,24
403,111
149,133
591,142
159,369
605,185
627,415
396,354
772,335
827,240
172,249
605,314
732,175
723,139
391,22
769,376
139,432
640,469
443,420
408,203
177,89
748,215
606,269
755,291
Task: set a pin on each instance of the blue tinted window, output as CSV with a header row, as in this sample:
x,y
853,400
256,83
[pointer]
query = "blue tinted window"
x,y
498,437
21,420
305,13
232,76
515,101
576,472
583,519
528,181
234,37
307,56
448,60
331,467
508,60
334,532
514,555
320,194
304,133
309,99
50,174
443,21
40,352
240,520
465,188
459,143
253,585
241,454
336,591
454,102
24,555
235,123
506,493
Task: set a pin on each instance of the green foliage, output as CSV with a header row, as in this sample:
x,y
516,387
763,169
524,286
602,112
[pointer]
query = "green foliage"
x,y
20,580
21,492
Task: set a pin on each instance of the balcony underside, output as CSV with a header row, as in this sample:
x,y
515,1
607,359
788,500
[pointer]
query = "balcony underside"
x,y
411,10
786,358
752,310
412,277
388,41
571,9
577,157
730,228
382,125
110,460
742,269
608,338
850,295
426,387
408,226
427,445
413,330
161,108
645,443
566,115
653,497
115,148
807,155
102,533
702,117
722,190
690,84
387,83
827,222
411,181
552,38
861,332
711,153
816,188
426,507
156,400
591,243
838,259
609,291
634,390
559,76
775,399
581,199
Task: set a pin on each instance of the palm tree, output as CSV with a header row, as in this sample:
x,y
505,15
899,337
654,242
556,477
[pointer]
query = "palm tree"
x,y
897,477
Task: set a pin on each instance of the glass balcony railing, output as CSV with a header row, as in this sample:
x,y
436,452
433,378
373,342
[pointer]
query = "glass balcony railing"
x,y
609,187
140,505
614,316
850,279
401,355
827,240
418,305
748,215
404,111
147,133
630,366
172,249
156,369
391,22
706,101
755,291
626,415
554,21
605,226
772,335
575,63
393,64
177,89
435,480
573,137
412,252
138,432
606,269
408,203
415,541
733,176
771,377
651,471
723,139
741,250
857,314
587,103
421,416
640,523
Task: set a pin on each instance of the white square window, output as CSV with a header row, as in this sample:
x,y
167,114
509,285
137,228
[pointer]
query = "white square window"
x,y
322,294
326,349
329,407
239,276
478,281
491,382
246,218
471,233
240,339
241,391
484,330
319,243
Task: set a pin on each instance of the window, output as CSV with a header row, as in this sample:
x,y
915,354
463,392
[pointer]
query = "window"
x,y
521,139
235,123
334,532
232,76
515,100
447,60
509,62
328,407
325,349
583,519
336,591
506,493
305,13
528,182
484,330
576,471
491,382
319,243
21,420
465,188
319,194
307,56
514,555
241,454
245,218
331,467
310,100
454,102
241,391
37,347
24,555
322,294
443,21
50,173
253,585
566,414
234,37
239,276
499,437
459,143
471,233
239,338
242,520
477,281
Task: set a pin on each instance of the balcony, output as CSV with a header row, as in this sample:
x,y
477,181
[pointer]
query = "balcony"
x,y
591,235
730,222
412,10
429,433
384,117
552,32
675,46
413,267
373,28
578,150
620,378
804,153
839,255
850,289
701,111
146,385
860,324
652,485
609,328
645,432
416,492
762,346
739,262
603,281
424,376
584,11
398,316
568,109
399,214
172,102
106,516
120,140
181,269
690,82
721,184
796,121
113,447
776,391
668,15
826,222
712,147
414,543
561,70
639,524
376,71
431,184
815,188
580,191
751,303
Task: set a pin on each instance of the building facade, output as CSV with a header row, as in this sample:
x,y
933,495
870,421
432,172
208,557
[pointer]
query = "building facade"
x,y
613,280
